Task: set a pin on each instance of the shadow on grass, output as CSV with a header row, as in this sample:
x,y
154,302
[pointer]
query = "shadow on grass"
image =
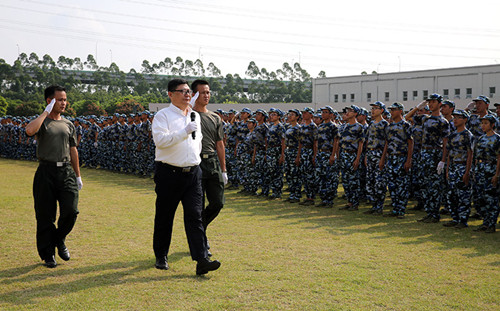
x,y
103,275
342,222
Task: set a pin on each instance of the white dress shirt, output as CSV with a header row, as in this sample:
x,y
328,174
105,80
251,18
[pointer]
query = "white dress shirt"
x,y
173,145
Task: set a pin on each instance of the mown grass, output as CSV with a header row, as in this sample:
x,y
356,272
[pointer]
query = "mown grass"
x,y
274,256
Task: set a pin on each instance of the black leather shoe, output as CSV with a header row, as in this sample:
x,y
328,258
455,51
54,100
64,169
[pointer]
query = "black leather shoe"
x,y
63,252
50,262
205,265
161,263
209,254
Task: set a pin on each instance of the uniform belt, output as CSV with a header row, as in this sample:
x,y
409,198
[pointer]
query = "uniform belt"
x,y
307,147
432,148
371,149
177,169
207,155
458,162
349,151
486,161
55,164
326,149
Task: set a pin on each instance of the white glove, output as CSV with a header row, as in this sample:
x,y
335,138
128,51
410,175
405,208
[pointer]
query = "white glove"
x,y
191,127
194,98
34,141
95,144
50,106
79,182
471,105
422,105
440,167
224,177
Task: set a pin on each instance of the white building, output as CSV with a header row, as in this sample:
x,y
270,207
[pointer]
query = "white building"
x,y
409,88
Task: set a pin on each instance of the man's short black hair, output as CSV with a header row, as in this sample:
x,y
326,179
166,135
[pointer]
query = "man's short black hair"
x,y
174,83
195,84
51,90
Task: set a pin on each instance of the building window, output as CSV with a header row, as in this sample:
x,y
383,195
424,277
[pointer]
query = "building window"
x,y
344,98
352,98
425,94
369,97
446,94
492,91
387,96
415,95
405,96
336,98
468,93
457,93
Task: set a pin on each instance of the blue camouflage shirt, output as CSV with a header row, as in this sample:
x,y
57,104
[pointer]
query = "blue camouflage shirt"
x,y
327,132
398,135
275,135
308,134
487,148
376,135
351,136
458,145
292,136
435,128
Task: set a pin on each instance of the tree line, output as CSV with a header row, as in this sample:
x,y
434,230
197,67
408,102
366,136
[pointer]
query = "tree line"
x,y
112,90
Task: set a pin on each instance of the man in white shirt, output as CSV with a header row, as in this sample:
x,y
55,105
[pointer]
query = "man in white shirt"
x,y
177,136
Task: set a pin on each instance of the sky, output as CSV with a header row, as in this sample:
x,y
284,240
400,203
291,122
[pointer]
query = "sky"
x,y
339,37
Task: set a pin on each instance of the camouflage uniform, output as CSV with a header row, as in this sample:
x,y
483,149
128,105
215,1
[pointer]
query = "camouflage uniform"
x,y
375,181
274,170
327,133
459,143
351,135
486,150
241,133
230,131
308,136
247,169
292,139
435,129
398,180
260,133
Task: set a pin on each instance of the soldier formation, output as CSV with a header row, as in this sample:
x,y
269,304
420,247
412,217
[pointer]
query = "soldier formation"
x,y
434,154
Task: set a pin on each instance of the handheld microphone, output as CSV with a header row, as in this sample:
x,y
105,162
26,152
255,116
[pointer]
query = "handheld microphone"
x,y
193,116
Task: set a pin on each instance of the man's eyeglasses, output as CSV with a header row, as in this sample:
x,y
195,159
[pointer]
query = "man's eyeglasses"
x,y
184,92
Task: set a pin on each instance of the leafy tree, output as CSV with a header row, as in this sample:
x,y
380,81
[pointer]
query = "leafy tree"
x,y
129,105
3,106
28,109
321,74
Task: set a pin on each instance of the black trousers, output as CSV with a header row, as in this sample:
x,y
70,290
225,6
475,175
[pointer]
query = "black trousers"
x,y
174,186
54,184
212,186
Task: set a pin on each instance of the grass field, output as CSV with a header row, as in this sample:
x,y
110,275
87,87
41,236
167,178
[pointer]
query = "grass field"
x,y
274,256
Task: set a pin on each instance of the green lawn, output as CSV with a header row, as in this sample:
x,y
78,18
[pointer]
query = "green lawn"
x,y
274,256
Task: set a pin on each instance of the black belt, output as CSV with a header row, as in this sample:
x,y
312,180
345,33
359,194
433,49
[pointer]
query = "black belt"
x,y
177,169
371,149
54,164
207,155
458,162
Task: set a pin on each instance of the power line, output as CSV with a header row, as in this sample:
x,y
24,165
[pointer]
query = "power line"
x,y
294,44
